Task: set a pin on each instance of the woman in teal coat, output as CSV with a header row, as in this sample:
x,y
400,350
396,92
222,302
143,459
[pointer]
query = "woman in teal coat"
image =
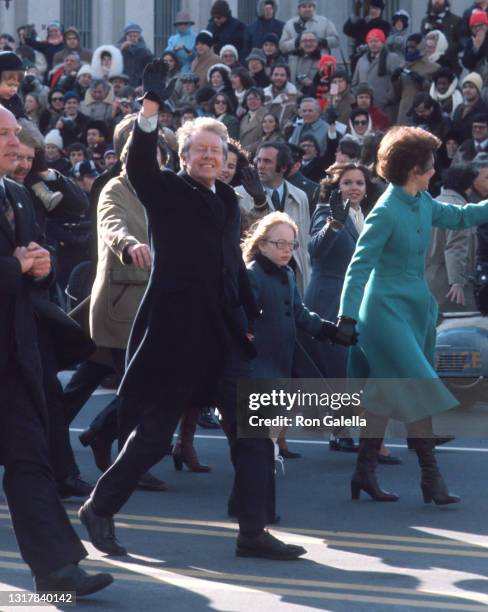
x,y
385,294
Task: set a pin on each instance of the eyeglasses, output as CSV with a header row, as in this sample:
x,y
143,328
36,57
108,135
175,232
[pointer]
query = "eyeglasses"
x,y
360,122
282,245
220,102
56,99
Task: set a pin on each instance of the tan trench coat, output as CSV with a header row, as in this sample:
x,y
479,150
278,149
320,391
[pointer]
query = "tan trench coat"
x,y
119,285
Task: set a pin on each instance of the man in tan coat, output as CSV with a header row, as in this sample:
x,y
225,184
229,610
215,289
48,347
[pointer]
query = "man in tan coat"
x,y
250,130
205,58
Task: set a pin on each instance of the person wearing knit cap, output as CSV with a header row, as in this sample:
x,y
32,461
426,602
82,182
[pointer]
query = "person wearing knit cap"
x,y
11,74
397,40
53,44
72,42
256,63
134,52
440,17
465,30
364,98
205,56
357,27
375,67
265,24
271,49
307,19
183,42
476,49
473,104
72,124
226,30
230,56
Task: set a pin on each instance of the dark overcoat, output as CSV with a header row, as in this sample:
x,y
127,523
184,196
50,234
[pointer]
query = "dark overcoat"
x,y
330,254
198,297
282,314
18,334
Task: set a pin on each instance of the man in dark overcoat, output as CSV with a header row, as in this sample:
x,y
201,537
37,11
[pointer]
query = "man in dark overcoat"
x,y
47,541
192,325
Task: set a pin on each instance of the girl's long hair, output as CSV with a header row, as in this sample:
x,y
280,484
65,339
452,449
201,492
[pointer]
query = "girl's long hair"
x,y
259,231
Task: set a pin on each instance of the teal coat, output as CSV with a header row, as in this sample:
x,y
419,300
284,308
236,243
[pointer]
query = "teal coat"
x,y
386,293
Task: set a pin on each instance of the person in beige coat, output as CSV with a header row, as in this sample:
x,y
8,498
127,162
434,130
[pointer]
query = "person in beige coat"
x,y
450,262
205,57
273,160
123,269
250,130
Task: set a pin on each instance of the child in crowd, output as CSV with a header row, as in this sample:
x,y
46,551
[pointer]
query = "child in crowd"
x,y
11,74
268,249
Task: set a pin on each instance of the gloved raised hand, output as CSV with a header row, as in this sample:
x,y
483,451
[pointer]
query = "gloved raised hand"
x,y
346,333
252,184
331,115
339,210
154,82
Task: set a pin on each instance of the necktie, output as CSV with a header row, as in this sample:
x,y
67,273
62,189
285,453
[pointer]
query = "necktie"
x,y
6,207
275,199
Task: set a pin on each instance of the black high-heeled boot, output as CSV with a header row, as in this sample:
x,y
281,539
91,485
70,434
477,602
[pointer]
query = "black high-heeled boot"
x,y
364,478
432,484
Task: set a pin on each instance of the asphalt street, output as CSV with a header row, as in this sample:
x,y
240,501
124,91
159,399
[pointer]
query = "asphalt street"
x,y
362,555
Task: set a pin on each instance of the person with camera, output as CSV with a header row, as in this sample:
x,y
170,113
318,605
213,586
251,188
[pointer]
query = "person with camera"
x,y
307,20
304,63
54,40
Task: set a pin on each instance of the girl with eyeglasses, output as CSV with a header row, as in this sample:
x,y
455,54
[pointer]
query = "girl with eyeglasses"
x,y
49,117
267,251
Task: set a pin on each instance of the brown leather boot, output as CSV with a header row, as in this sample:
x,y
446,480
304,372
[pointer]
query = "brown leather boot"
x,y
183,450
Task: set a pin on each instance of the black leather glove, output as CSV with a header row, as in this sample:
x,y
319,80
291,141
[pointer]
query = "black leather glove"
x,y
327,333
252,184
396,74
153,82
299,26
339,210
331,115
346,333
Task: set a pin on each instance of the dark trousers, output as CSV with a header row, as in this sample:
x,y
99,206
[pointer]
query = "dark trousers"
x,y
81,386
62,457
150,441
46,539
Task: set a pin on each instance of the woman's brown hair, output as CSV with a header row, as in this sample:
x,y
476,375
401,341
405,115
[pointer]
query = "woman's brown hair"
x,y
334,174
401,150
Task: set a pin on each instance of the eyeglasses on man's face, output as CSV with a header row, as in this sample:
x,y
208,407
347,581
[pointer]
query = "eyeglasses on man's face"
x,y
283,245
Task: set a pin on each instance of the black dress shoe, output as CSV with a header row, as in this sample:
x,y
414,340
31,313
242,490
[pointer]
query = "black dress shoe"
x,y
389,459
343,445
72,578
288,454
266,546
149,482
101,449
101,531
74,486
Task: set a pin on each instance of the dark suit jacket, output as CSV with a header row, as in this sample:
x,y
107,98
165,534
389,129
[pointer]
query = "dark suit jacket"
x,y
18,334
311,188
198,295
